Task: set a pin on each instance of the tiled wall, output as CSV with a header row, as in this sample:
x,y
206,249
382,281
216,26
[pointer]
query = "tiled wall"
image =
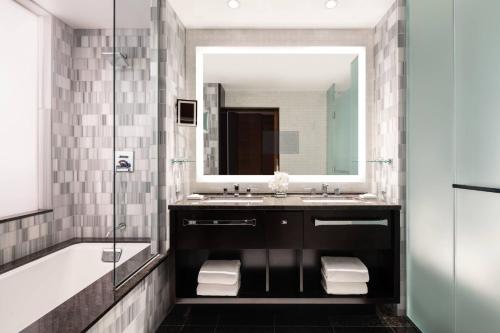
x,y
389,116
134,125
93,121
300,111
174,140
144,308
63,131
211,128
19,238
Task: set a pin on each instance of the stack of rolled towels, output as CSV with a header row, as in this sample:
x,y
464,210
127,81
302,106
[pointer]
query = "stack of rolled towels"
x,y
219,278
344,276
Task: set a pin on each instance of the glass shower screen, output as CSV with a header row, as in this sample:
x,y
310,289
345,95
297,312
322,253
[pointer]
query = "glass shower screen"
x,y
135,135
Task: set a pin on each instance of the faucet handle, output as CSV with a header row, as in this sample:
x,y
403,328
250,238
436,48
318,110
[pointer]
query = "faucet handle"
x,y
324,189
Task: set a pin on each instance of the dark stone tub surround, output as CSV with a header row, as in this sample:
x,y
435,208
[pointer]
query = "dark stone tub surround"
x,y
82,311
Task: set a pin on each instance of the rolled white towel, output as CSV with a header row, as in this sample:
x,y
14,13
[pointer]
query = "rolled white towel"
x,y
211,289
345,288
220,272
339,269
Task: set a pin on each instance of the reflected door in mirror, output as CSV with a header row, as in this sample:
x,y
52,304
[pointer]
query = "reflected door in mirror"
x,y
249,141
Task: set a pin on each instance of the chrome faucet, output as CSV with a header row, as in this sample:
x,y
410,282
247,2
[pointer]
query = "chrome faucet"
x,y
236,190
121,226
324,190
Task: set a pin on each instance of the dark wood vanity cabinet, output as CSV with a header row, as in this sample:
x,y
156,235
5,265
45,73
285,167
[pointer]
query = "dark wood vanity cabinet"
x,y
281,250
283,230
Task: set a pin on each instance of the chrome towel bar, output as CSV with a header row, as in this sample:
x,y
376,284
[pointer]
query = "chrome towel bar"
x,y
323,223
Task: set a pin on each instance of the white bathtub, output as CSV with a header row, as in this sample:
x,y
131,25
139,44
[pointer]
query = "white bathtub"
x,y
30,291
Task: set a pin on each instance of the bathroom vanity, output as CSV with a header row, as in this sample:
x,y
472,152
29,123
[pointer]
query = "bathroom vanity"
x,y
280,243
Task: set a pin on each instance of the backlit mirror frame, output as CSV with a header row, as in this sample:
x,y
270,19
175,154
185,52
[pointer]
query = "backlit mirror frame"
x,y
360,51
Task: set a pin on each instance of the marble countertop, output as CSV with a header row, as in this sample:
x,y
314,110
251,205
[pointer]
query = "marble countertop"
x,y
291,202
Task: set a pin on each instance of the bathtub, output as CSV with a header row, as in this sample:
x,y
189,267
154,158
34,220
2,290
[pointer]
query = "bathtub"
x,y
32,290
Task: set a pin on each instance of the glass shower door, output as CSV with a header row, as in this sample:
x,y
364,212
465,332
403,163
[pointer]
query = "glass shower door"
x,y
135,137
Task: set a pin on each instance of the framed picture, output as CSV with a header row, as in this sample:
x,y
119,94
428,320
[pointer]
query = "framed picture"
x,y
187,112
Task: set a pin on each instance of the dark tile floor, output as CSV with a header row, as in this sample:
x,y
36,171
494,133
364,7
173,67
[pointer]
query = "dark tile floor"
x,y
281,319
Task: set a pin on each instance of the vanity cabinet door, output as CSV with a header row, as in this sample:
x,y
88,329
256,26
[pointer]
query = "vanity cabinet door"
x,y
219,230
348,230
283,230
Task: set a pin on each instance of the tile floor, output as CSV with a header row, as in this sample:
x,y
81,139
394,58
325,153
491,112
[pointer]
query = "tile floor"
x,y
281,319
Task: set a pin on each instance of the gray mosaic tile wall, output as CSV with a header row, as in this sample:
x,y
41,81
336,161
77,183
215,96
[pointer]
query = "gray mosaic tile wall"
x,y
63,133
23,237
134,125
389,117
173,142
144,308
211,128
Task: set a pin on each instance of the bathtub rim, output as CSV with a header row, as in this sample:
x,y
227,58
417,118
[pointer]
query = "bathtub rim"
x,y
4,268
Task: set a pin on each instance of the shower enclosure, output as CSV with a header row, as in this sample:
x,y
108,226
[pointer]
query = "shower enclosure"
x,y
134,58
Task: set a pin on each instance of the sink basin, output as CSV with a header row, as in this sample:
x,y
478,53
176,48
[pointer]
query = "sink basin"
x,y
315,199
252,199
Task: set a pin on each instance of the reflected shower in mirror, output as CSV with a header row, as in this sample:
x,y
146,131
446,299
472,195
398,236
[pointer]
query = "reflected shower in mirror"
x,y
290,109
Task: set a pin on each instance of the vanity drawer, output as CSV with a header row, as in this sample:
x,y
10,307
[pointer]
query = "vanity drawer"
x,y
344,231
283,230
219,230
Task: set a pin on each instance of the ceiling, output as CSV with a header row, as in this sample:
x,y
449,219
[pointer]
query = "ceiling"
x,y
278,72
254,14
95,14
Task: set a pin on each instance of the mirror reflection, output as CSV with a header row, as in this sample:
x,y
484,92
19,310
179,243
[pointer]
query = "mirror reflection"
x,y
295,112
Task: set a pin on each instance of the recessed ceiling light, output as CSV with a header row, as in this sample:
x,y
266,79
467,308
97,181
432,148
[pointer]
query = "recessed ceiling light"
x,y
331,4
233,4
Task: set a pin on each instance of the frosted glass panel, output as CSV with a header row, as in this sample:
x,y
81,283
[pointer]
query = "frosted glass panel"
x,y
18,110
430,165
477,262
477,56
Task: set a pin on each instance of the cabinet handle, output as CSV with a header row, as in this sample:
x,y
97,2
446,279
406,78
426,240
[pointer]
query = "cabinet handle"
x,y
322,223
284,221
209,223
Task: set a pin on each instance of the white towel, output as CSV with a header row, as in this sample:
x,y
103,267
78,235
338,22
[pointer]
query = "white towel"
x,y
211,289
345,288
344,269
218,278
345,276
220,272
231,267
